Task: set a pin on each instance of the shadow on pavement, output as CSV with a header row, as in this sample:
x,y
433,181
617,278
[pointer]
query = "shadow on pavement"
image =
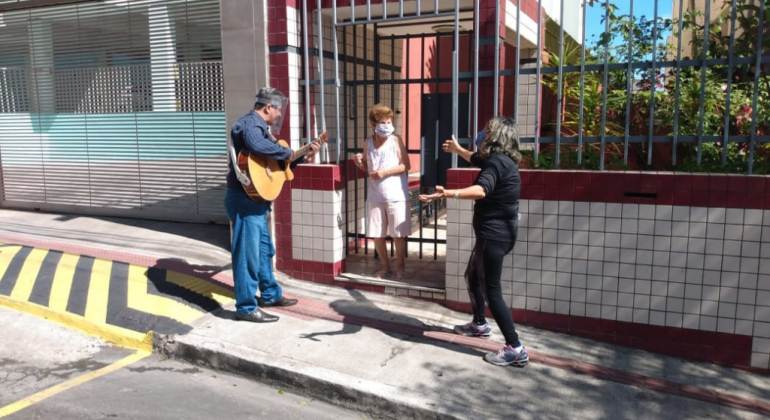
x,y
377,318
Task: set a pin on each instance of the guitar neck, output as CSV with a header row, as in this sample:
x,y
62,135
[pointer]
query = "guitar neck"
x,y
302,151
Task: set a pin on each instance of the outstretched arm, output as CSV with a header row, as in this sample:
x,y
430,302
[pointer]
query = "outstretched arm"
x,y
452,146
474,192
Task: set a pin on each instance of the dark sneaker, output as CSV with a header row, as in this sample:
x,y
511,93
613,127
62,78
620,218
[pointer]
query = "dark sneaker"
x,y
472,330
508,357
257,316
278,303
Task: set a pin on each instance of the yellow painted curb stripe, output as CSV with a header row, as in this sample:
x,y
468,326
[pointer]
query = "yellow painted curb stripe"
x,y
28,274
220,294
62,282
139,299
50,392
99,291
6,255
122,337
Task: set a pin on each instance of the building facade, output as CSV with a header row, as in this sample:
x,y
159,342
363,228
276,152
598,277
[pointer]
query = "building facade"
x,y
121,108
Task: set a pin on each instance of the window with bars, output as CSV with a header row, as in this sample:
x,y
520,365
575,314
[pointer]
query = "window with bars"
x,y
112,62
116,105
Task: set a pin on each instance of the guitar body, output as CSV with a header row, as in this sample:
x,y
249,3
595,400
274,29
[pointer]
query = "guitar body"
x,y
267,175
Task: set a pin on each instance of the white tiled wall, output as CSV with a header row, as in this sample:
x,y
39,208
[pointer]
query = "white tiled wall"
x,y
685,267
317,226
294,26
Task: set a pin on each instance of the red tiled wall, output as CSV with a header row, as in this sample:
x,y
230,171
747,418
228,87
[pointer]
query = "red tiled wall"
x,y
679,189
308,177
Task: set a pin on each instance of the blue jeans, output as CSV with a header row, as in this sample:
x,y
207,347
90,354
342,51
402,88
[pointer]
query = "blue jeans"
x,y
252,250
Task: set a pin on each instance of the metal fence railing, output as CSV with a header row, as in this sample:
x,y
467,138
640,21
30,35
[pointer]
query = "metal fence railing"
x,y
669,84
635,90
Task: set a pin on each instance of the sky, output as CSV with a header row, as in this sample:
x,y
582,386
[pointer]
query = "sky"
x,y
595,14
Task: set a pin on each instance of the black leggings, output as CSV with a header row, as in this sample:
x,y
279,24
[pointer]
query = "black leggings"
x,y
483,276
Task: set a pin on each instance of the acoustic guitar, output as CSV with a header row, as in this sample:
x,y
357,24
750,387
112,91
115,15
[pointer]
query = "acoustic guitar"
x,y
268,175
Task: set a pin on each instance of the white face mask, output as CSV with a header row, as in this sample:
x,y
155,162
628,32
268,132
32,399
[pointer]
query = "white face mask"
x,y
384,130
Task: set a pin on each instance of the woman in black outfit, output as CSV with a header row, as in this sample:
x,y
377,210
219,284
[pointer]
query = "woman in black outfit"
x,y
495,223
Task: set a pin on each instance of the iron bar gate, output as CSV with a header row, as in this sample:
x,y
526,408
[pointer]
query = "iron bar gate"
x,y
368,88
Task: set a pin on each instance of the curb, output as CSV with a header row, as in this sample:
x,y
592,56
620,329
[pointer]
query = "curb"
x,y
389,402
352,393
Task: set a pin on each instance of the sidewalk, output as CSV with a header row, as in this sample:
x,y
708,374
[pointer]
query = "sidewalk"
x,y
397,358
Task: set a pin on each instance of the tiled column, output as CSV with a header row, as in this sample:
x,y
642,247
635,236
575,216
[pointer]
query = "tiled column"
x,y
309,224
488,30
286,66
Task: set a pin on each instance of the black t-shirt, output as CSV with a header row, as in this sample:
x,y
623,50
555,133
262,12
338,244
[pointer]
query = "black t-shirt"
x,y
495,217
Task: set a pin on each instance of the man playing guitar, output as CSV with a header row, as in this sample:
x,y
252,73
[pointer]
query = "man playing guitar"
x,y
252,247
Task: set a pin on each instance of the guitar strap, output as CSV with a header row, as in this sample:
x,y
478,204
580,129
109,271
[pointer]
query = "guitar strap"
x,y
233,157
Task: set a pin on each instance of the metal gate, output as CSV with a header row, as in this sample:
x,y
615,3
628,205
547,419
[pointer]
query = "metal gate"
x,y
421,127
113,107
368,56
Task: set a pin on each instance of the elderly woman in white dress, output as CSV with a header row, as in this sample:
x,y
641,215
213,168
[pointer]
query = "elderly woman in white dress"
x,y
387,163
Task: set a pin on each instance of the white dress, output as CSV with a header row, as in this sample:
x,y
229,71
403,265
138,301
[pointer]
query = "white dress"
x,y
392,188
387,198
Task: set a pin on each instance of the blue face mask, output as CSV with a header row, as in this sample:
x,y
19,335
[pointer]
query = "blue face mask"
x,y
384,130
480,138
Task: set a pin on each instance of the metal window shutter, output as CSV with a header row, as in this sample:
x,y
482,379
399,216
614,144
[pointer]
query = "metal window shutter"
x,y
114,108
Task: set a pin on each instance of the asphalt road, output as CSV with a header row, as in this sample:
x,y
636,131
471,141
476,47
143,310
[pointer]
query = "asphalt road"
x,y
51,372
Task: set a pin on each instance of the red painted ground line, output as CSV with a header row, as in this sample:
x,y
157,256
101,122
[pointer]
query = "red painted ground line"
x,y
312,309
